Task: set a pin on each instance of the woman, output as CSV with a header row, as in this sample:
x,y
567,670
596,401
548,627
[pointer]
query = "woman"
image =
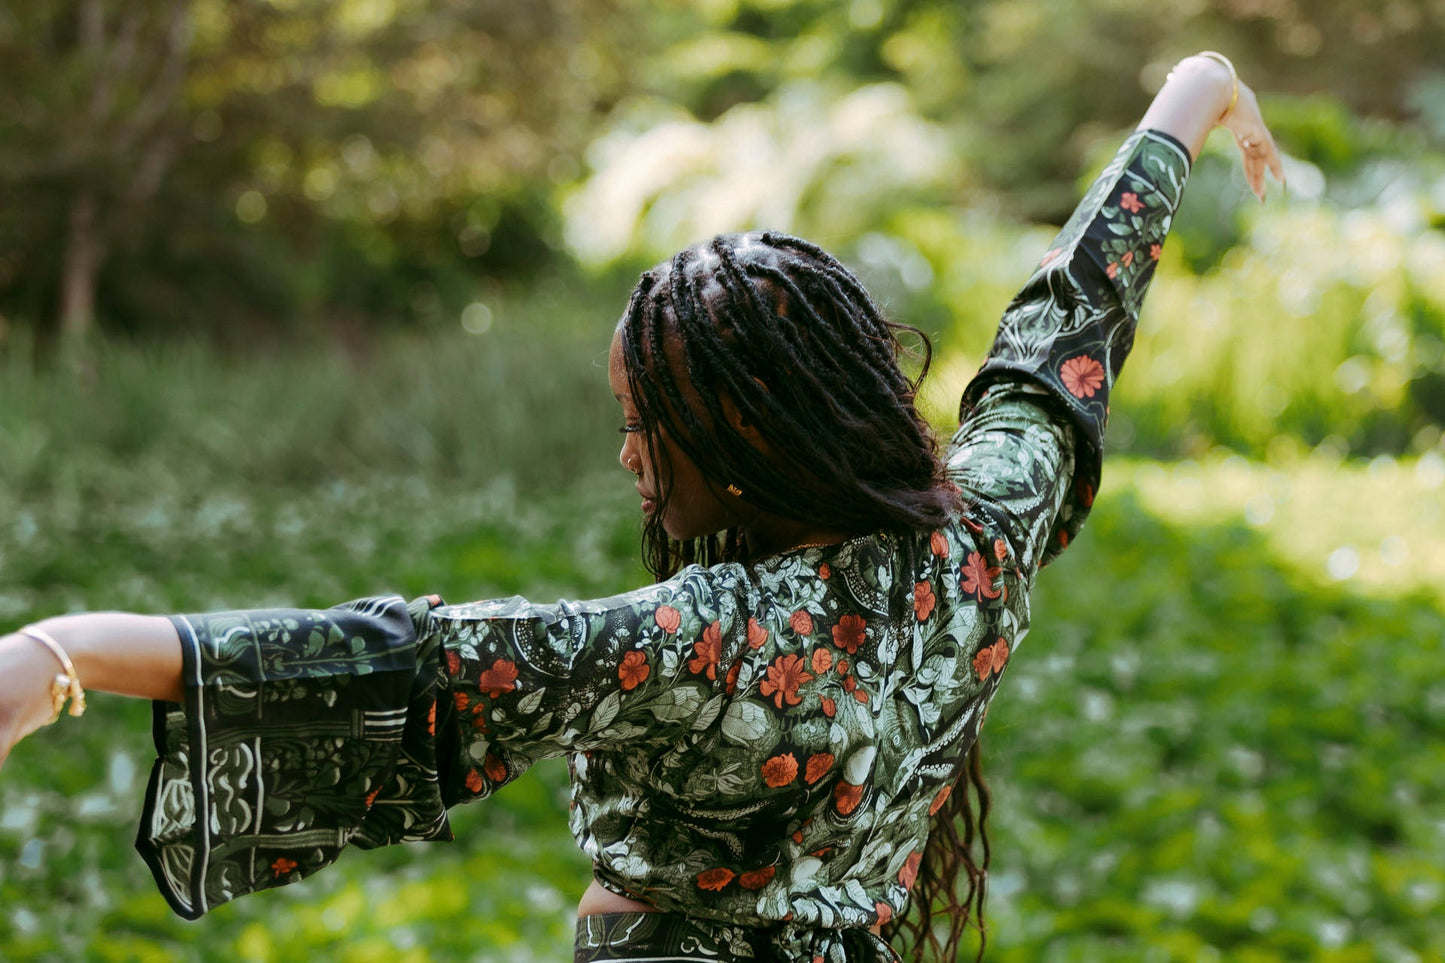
x,y
761,741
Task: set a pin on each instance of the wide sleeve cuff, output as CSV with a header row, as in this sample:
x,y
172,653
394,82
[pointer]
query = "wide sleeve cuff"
x,y
1071,327
301,731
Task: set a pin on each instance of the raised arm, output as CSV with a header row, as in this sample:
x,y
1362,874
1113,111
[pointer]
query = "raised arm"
x,y
1027,453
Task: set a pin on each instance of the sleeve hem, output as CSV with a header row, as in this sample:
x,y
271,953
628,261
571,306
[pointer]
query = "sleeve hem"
x,y
146,842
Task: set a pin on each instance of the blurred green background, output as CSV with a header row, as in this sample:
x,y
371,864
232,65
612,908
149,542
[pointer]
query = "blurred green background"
x,y
301,301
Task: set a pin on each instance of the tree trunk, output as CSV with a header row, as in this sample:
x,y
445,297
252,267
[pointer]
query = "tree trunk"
x,y
84,250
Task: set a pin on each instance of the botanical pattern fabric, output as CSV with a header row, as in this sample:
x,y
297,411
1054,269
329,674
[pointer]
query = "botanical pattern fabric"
x,y
757,747
1072,325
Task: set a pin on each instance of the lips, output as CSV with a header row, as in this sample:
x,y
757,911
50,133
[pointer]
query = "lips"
x,y
649,502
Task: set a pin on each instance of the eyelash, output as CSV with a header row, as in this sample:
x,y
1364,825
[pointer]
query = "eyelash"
x,y
629,429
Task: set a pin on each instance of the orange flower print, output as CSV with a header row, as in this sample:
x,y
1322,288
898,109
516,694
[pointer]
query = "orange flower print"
x,y
371,796
990,659
940,799
431,719
923,601
1082,376
785,674
454,662
1113,269
849,683
500,678
824,572
848,633
715,879
496,769
1130,202
462,701
1000,549
801,622
908,872
474,780
780,770
884,911
667,618
938,544
861,695
1155,250
731,682
830,708
822,661
709,651
758,878
757,635
978,576
282,866
1127,259
846,797
1063,538
633,671
818,765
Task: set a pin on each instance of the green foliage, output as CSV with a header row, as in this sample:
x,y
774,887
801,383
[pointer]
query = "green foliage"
x,y
296,166
1205,749
447,405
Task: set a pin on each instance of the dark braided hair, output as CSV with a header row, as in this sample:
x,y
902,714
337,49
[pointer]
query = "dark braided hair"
x,y
788,336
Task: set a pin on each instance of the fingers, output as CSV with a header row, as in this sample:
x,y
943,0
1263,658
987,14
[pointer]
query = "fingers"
x,y
1255,158
1259,155
1258,152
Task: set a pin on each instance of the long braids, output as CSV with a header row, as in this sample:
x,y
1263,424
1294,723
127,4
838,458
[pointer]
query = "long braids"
x,y
788,336
792,339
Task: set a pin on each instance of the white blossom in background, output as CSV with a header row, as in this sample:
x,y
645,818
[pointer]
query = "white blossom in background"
x,y
807,161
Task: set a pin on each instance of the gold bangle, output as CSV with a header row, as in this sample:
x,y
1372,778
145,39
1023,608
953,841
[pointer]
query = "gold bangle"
x,y
65,684
1215,55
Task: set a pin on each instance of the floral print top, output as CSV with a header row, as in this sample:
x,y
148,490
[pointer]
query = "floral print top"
x,y
759,746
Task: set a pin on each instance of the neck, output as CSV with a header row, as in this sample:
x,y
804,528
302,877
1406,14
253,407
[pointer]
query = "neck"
x,y
770,534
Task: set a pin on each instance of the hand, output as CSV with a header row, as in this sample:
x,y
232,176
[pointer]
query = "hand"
x,y
26,670
1256,145
1196,98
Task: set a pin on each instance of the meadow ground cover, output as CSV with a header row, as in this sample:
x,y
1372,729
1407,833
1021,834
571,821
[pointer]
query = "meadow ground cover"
x,y
1223,740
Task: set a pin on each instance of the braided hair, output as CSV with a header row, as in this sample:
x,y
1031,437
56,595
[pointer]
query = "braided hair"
x,y
787,335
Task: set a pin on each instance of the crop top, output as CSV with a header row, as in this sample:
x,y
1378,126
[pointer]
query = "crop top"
x,y
755,745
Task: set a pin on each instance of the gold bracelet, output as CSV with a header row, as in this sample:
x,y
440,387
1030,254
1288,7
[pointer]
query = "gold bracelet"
x,y
1215,55
66,684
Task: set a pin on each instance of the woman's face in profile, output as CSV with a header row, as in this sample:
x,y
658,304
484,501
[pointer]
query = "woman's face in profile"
x,y
694,505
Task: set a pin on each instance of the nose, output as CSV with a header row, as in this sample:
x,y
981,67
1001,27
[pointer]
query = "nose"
x,y
630,457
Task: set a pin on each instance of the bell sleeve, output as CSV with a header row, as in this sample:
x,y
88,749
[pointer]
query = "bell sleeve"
x,y
1037,408
305,731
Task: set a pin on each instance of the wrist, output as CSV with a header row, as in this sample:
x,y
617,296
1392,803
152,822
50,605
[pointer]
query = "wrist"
x,y
28,670
1211,81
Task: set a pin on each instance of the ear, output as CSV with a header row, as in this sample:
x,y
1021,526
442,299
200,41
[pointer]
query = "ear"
x,y
739,423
